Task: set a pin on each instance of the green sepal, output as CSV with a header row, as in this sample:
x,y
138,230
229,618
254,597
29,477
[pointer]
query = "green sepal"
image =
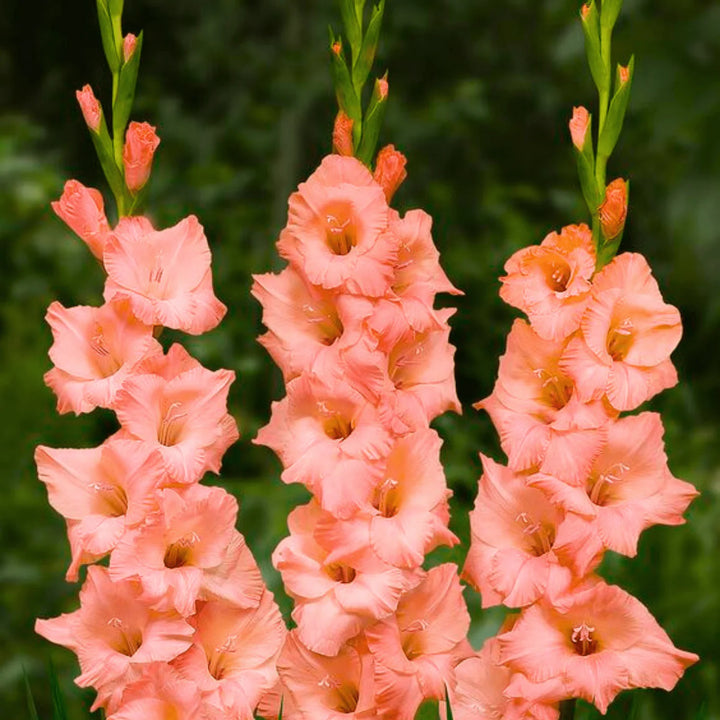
x,y
353,26
104,149
347,99
126,90
107,33
429,710
616,114
372,124
609,14
448,709
363,63
591,28
608,248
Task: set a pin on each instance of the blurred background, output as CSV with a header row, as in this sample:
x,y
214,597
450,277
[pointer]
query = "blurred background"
x,y
481,93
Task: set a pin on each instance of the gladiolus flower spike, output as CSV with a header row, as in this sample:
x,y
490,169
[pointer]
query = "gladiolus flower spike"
x,y
179,622
367,365
580,479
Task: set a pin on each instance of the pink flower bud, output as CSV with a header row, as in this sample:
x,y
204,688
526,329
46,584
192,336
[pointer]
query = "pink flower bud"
x,y
83,211
90,106
336,47
613,210
383,87
585,10
129,44
140,145
579,126
624,72
342,134
390,170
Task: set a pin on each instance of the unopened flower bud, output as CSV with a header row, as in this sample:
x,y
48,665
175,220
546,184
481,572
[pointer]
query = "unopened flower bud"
x,y
83,211
342,134
613,210
129,44
90,106
336,47
585,11
383,87
579,125
624,73
390,170
141,142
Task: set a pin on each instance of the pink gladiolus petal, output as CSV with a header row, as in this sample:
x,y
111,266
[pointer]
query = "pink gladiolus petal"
x,y
94,351
601,642
337,229
166,276
114,633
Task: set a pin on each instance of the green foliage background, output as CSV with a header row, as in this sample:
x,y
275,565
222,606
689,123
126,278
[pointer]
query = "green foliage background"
x,y
480,97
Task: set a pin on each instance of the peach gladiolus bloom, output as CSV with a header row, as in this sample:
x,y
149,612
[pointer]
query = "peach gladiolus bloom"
x,y
185,417
543,424
417,649
408,514
329,438
90,107
141,142
334,600
479,691
159,694
100,492
82,209
94,351
337,232
189,551
550,282
629,488
313,686
390,170
232,659
308,327
165,274
512,558
628,333
599,641
114,634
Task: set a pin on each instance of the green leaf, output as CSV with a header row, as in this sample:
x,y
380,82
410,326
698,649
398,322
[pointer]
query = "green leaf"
x,y
609,14
126,90
353,26
104,149
32,710
107,33
372,124
363,63
115,7
59,711
591,28
616,114
448,709
347,99
429,710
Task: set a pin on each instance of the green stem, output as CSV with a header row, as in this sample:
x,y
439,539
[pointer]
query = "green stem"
x,y
567,709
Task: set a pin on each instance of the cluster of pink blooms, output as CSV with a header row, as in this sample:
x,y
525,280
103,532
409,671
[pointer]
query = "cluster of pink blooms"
x,y
178,623
367,366
580,480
